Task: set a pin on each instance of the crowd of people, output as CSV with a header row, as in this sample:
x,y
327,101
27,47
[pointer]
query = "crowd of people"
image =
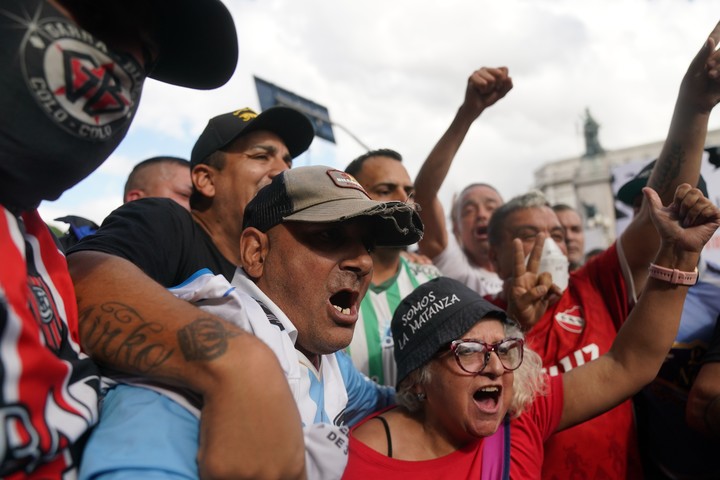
x,y
239,318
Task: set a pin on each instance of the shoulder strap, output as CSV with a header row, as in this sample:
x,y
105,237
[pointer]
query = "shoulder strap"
x,y
496,454
387,434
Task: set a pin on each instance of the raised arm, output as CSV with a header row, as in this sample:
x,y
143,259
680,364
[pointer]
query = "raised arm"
x,y
646,336
132,324
485,87
681,155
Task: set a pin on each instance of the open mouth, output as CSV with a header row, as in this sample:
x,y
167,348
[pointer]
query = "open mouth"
x,y
344,301
481,231
488,396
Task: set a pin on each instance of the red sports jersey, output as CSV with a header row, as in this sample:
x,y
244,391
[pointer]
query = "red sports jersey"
x,y
579,328
49,397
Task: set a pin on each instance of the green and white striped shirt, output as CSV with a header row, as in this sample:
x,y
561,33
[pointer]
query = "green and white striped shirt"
x,y
371,349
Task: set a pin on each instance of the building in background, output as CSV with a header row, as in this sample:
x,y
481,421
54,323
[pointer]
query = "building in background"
x,y
589,181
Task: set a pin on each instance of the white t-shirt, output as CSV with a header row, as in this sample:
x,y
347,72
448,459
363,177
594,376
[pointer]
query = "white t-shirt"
x,y
454,263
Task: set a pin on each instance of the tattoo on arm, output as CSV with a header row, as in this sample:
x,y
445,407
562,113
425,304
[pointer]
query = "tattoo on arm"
x,y
115,332
668,170
204,339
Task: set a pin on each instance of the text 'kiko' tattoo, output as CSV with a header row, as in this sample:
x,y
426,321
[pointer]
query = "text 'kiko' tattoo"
x,y
116,333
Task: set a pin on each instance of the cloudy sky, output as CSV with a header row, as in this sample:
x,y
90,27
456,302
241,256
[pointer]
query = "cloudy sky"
x,y
394,73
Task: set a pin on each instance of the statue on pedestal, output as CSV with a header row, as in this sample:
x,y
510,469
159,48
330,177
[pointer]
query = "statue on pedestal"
x,y
592,144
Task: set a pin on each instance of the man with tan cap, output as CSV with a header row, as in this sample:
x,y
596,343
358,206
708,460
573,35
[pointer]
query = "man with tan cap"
x,y
122,274
305,265
72,78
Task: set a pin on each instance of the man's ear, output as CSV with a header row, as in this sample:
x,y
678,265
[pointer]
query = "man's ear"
x,y
203,179
134,194
254,246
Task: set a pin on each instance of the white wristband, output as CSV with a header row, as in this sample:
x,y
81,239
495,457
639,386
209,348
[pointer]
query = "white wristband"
x,y
673,275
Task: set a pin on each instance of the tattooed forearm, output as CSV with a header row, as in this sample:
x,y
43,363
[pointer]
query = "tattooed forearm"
x,y
115,333
204,339
667,170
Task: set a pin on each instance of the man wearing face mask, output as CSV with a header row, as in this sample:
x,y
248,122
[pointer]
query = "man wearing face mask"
x,y
579,316
571,321
73,72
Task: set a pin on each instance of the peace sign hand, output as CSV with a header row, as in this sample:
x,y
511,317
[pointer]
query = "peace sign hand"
x,y
528,293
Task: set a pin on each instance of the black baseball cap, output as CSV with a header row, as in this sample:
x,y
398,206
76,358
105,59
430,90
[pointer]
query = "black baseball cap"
x,y
198,46
321,194
293,127
633,188
433,315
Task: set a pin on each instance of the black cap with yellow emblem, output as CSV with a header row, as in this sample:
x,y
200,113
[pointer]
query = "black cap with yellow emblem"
x,y
292,126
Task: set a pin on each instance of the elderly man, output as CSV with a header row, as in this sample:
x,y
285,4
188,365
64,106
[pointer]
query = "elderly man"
x,y
464,254
72,77
384,177
571,323
305,266
572,223
122,273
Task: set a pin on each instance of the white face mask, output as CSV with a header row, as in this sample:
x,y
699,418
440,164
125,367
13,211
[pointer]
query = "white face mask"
x,y
554,262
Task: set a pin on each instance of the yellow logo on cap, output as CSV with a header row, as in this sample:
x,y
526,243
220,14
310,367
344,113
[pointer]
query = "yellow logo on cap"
x,y
245,114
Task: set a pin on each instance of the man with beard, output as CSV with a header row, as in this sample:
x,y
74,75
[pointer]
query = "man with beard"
x,y
384,178
304,266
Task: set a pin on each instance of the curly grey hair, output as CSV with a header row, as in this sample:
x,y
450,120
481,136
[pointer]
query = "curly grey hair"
x,y
529,380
